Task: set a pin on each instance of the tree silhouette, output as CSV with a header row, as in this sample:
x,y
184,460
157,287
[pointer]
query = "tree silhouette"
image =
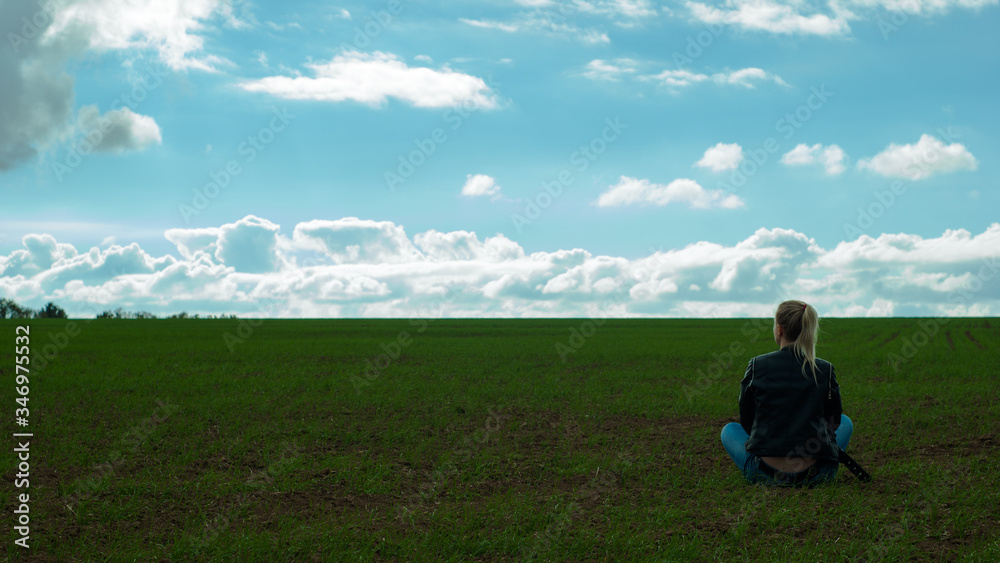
x,y
51,311
9,309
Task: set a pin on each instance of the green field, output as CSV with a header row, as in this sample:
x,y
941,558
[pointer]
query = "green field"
x,y
487,440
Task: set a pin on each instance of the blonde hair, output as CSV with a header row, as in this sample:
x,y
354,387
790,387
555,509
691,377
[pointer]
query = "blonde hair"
x,y
801,324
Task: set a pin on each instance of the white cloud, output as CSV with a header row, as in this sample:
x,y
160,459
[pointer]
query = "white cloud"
x,y
237,14
168,26
831,157
722,157
624,13
248,245
118,130
282,27
372,78
878,308
918,161
40,253
833,160
352,267
634,191
262,59
954,246
464,245
746,77
480,185
510,28
598,69
543,22
925,7
587,35
190,242
773,17
678,78
357,240
791,17
628,9
45,267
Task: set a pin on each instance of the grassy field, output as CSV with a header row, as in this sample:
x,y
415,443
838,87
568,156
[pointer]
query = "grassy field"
x,y
487,440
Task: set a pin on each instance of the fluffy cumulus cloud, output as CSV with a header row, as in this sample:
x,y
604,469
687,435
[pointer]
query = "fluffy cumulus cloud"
x,y
465,245
248,245
354,267
953,274
47,268
480,185
926,157
682,190
774,17
721,157
373,78
39,254
831,157
168,26
353,240
118,130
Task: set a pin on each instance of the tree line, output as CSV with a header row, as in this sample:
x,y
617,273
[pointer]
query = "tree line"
x,y
10,309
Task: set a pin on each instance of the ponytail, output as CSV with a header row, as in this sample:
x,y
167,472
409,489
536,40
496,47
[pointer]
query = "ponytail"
x,y
801,324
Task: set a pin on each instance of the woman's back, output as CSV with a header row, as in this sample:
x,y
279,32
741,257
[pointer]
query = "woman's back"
x,y
786,414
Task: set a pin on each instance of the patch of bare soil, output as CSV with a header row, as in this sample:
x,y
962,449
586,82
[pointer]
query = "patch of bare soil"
x,y
892,337
974,341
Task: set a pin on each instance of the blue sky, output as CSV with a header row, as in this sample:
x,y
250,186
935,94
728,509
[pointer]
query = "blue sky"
x,y
365,159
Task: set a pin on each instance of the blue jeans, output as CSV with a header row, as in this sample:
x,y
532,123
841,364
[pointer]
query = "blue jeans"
x,y
734,439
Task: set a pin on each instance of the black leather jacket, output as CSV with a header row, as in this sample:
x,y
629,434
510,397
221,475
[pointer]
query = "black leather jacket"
x,y
786,413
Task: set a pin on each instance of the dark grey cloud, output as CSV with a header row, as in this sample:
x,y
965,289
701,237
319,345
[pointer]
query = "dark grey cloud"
x,y
36,94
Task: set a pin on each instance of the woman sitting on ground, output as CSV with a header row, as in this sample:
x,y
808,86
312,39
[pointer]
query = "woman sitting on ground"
x,y
791,424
